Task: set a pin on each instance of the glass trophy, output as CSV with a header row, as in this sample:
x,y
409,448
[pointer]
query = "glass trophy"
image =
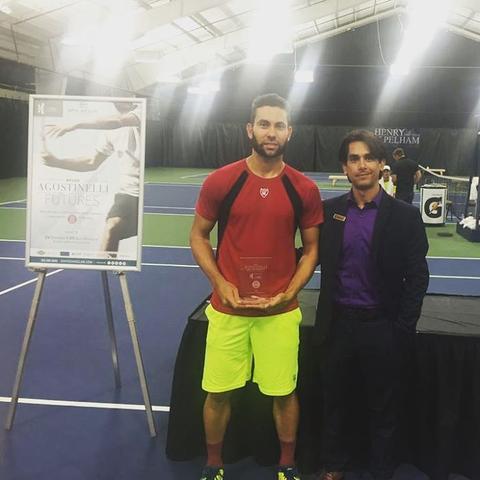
x,y
254,276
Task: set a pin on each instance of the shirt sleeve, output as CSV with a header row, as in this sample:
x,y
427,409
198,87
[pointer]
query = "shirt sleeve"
x,y
210,198
312,213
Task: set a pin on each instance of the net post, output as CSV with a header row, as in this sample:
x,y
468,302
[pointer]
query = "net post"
x,y
476,173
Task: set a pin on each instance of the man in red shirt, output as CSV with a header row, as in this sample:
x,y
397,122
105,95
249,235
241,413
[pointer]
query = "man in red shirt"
x,y
258,203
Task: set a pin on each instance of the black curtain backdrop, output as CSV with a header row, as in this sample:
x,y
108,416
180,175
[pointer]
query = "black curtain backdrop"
x,y
312,147
17,76
13,138
211,145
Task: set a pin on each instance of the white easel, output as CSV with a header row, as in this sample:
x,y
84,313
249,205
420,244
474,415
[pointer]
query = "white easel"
x,y
108,307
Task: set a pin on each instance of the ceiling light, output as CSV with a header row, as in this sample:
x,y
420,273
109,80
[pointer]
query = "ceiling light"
x,y
169,79
271,20
304,76
74,41
399,69
4,8
205,88
195,90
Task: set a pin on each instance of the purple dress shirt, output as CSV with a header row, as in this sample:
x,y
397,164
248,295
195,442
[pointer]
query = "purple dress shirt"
x,y
357,277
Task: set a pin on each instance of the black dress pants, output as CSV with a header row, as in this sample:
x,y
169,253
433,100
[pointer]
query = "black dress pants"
x,y
361,344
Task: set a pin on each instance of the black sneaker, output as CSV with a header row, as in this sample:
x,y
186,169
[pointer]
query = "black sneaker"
x,y
288,473
212,473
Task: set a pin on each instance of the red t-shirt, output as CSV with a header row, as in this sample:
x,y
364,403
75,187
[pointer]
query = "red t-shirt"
x,y
257,252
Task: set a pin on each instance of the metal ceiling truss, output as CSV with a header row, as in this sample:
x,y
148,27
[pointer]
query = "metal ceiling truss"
x,y
197,34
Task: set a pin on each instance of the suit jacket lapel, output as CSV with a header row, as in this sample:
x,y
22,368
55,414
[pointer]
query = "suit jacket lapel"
x,y
380,222
338,228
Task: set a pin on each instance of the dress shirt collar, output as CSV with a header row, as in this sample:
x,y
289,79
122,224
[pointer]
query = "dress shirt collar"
x,y
375,203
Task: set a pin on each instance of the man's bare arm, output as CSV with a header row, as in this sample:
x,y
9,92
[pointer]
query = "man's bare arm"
x,y
308,261
203,252
417,176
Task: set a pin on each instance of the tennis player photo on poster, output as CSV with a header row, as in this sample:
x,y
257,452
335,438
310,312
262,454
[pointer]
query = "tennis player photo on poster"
x,y
86,158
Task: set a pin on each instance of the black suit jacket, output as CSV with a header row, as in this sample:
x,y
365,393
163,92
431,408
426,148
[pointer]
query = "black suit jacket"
x,y
399,248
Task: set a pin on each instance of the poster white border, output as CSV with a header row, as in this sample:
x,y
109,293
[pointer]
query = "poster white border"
x,y
85,263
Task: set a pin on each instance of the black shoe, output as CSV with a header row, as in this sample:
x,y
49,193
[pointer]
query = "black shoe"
x,y
212,473
288,473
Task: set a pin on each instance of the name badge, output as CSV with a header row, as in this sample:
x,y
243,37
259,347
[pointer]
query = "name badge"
x,y
340,218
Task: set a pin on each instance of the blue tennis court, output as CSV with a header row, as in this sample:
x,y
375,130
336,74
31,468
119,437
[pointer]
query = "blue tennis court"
x,y
72,422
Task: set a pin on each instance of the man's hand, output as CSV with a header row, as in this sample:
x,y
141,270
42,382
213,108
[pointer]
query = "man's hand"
x,y
228,294
270,305
230,297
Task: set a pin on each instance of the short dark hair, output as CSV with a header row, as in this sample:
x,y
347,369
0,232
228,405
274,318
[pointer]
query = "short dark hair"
x,y
269,100
400,152
376,146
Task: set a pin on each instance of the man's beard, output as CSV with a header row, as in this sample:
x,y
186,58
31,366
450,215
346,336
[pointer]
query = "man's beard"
x,y
362,186
263,153
365,186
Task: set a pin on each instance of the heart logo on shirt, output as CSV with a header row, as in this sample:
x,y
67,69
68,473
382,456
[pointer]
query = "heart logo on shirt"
x,y
264,192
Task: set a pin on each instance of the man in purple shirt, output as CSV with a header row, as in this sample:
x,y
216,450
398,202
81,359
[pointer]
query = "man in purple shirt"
x,y
374,278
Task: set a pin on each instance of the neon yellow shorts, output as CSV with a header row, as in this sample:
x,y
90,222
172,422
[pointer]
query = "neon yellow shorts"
x,y
233,340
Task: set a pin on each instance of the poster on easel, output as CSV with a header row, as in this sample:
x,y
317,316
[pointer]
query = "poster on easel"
x,y
86,161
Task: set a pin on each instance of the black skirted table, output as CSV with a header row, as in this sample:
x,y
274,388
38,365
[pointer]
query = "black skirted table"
x,y
440,427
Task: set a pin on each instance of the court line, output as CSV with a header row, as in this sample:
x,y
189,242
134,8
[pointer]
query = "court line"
x,y
196,175
166,184
454,258
180,265
16,287
448,277
170,214
187,247
454,277
68,403
13,201
145,213
167,246
149,246
172,208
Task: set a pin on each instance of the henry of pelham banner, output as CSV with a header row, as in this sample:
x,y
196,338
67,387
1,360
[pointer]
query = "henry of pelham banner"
x,y
86,158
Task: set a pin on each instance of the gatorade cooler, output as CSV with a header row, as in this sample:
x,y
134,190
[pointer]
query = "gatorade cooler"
x,y
433,202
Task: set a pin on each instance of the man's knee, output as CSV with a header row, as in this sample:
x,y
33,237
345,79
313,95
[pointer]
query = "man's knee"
x,y
285,400
218,399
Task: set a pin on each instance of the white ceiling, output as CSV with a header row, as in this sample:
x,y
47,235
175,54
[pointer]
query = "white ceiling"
x,y
162,39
